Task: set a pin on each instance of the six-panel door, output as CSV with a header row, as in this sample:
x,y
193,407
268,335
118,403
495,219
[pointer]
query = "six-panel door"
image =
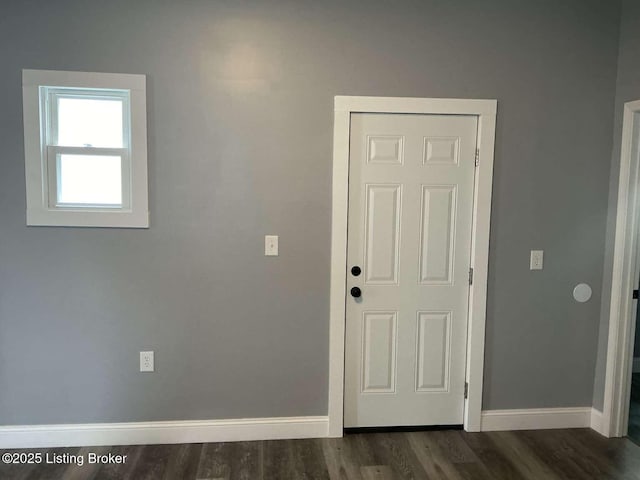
x,y
411,181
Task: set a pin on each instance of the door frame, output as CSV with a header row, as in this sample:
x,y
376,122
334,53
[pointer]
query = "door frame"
x,y
626,270
485,110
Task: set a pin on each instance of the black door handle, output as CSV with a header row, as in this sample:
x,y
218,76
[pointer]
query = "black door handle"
x,y
356,292
355,271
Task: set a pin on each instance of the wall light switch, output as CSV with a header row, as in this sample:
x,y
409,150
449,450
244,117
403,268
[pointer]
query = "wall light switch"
x,y
271,245
535,263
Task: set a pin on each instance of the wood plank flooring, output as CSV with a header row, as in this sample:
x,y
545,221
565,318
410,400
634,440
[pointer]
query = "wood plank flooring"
x,y
443,455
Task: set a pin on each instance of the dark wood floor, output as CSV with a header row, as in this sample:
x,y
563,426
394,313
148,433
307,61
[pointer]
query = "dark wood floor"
x,y
452,454
634,410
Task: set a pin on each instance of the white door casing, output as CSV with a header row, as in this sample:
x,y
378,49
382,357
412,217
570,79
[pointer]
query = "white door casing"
x,y
485,111
411,180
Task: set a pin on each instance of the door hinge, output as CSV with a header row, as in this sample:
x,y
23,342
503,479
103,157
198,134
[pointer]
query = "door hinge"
x,y
471,276
466,389
477,157
635,294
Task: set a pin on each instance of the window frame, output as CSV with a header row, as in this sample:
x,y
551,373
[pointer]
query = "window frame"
x,y
42,157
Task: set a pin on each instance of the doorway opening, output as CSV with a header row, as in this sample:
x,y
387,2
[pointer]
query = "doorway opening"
x,y
619,409
633,431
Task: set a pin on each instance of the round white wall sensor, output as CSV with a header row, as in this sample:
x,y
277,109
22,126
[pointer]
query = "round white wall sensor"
x,y
582,292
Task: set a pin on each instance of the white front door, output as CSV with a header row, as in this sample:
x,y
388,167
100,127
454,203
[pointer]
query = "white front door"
x,y
411,181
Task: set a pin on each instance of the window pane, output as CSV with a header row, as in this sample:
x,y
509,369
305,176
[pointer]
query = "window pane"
x,y
90,122
90,179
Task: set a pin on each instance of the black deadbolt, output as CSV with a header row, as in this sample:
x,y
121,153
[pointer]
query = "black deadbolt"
x,y
355,271
356,292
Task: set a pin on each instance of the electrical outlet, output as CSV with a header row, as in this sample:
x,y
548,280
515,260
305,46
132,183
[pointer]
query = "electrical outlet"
x,y
535,262
146,362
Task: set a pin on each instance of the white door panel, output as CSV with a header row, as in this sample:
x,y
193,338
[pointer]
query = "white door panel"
x,y
379,352
410,213
382,233
437,217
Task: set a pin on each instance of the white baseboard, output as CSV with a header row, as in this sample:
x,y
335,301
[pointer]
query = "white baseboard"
x,y
147,433
636,364
204,431
537,419
596,422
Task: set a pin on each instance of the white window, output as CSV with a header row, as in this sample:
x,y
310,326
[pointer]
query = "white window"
x,y
85,137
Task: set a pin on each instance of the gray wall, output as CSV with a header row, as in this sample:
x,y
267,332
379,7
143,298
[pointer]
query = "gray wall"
x,y
627,89
240,98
